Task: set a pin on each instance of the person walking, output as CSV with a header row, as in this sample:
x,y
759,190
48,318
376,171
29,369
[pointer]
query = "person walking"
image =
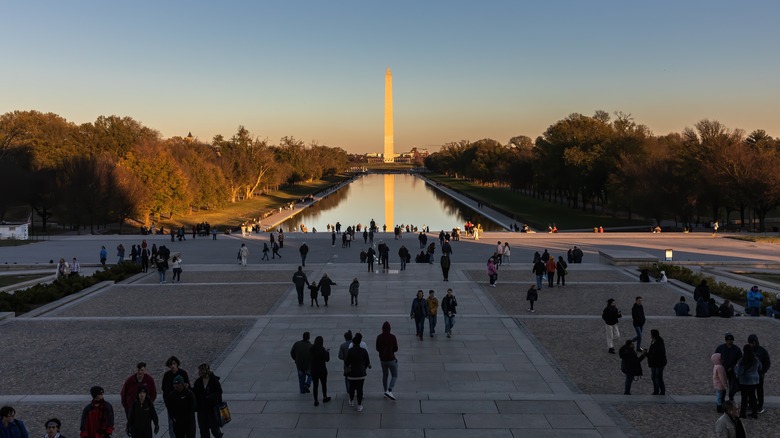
x,y
10,426
611,315
630,364
754,298
243,254
560,269
354,290
403,254
507,253
301,354
313,291
747,371
103,256
419,313
638,321
531,296
763,356
174,370
550,266
356,363
539,270
176,265
97,418
325,284
304,250
319,369
181,406
433,310
730,355
343,349
53,426
299,279
492,272
444,260
370,254
134,383
266,250
656,360
275,250
729,424
387,346
142,416
449,305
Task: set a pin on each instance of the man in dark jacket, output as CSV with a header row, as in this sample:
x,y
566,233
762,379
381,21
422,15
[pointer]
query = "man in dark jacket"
x,y
301,354
181,407
299,279
97,418
656,360
610,315
539,270
730,355
763,356
445,266
638,319
174,369
304,250
387,345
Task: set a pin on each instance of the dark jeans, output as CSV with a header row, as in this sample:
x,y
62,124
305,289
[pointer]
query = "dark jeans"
x,y
629,381
760,392
657,376
561,279
420,324
550,278
184,430
317,379
299,291
207,423
748,398
638,337
733,384
356,389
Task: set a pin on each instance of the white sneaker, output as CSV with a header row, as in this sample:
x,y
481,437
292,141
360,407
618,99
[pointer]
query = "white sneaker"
x,y
360,408
389,394
352,403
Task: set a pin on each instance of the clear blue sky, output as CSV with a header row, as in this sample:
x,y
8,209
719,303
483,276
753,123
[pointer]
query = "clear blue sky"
x,y
315,70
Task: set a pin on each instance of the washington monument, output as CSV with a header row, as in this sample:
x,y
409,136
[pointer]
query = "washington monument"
x,y
388,155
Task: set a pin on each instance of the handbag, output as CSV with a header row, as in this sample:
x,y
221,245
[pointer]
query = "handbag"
x,y
224,413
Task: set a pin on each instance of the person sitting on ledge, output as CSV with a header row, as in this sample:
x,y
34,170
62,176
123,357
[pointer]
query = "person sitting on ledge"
x,y
644,276
662,278
702,308
682,308
726,309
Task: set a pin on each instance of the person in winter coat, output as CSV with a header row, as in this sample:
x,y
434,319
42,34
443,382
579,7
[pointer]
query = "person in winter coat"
x,y
747,371
319,369
492,272
325,284
560,269
301,354
445,262
97,418
142,416
354,290
449,306
313,291
419,313
539,269
729,425
208,397
243,254
763,356
611,315
719,381
181,406
356,363
10,427
656,360
299,279
630,364
754,298
638,321
550,266
532,295
387,346
136,381
701,291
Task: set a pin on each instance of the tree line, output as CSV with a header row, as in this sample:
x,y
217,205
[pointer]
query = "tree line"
x,y
598,161
115,169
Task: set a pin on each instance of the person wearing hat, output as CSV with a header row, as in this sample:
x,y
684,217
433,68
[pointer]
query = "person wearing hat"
x,y
174,369
730,355
53,428
97,418
181,409
10,426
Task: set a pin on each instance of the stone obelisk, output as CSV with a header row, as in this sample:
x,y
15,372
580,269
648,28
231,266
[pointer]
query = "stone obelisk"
x,y
388,155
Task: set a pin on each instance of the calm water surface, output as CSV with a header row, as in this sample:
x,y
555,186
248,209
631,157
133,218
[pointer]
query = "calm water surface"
x,y
391,199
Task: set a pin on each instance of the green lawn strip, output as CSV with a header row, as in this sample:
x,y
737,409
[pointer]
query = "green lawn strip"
x,y
533,211
772,278
246,210
8,280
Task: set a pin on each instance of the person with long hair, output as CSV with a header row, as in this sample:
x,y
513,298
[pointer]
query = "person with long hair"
x,y
747,371
319,369
142,415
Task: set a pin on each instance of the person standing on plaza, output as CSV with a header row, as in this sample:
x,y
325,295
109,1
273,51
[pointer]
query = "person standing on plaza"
x,y
444,260
208,397
319,369
145,260
120,253
550,267
403,254
531,296
134,383
343,349
499,255
174,369
763,357
560,269
719,381
357,362
387,346
325,284
656,360
630,364
103,256
299,279
433,310
611,315
301,354
176,264
10,427
181,406
539,270
304,250
243,254
281,239
754,298
75,268
419,313
354,290
142,416
729,424
747,371
97,418
449,305
492,272
507,253
638,320
730,355
370,254
446,248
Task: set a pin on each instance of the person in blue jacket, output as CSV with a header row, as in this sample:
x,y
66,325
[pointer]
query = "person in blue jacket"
x,y
10,427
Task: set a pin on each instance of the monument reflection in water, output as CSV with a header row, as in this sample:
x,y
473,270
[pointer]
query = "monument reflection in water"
x,y
388,199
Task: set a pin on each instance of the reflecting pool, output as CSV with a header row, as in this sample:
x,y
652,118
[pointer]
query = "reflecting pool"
x,y
388,199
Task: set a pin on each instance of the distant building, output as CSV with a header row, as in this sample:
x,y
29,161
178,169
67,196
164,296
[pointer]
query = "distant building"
x,y
16,224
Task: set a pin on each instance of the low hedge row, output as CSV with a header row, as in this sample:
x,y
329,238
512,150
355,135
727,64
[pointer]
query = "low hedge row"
x,y
719,288
25,300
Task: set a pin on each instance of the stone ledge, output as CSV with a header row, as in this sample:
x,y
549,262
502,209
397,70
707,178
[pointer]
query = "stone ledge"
x,y
623,258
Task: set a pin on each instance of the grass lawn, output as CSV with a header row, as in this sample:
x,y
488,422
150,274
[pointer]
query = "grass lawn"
x,y
7,280
772,278
246,210
14,242
536,212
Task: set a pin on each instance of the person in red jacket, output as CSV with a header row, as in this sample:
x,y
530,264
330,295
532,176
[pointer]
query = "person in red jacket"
x,y
136,380
97,419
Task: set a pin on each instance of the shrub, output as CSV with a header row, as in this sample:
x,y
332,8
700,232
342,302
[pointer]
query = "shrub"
x,y
719,288
24,300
